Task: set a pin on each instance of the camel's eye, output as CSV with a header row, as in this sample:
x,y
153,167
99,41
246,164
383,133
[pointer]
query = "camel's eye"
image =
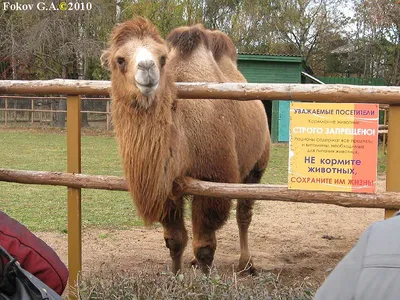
x,y
163,59
121,61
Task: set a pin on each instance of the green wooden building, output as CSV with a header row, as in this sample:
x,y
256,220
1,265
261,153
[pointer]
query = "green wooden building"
x,y
259,68
262,68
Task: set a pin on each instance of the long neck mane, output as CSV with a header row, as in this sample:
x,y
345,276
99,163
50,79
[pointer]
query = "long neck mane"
x,y
144,143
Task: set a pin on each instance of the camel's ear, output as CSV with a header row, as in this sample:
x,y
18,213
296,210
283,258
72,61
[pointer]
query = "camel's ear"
x,y
105,59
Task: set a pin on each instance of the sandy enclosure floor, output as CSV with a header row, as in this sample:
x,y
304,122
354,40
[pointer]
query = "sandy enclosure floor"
x,y
297,240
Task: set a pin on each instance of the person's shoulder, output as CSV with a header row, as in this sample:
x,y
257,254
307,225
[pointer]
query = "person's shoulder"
x,y
381,239
391,223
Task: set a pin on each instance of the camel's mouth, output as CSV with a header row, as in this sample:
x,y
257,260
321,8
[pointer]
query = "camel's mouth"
x,y
147,89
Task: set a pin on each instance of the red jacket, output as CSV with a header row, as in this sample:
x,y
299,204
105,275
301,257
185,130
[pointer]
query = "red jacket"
x,y
32,253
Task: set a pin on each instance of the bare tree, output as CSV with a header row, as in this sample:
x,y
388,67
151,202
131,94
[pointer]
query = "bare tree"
x,y
377,40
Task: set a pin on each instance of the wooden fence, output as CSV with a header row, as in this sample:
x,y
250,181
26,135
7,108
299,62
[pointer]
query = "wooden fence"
x,y
43,118
47,115
389,200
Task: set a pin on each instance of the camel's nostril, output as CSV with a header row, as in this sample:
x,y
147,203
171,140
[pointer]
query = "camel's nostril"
x,y
146,64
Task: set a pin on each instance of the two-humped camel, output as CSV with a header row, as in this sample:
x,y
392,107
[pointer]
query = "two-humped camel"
x,y
163,139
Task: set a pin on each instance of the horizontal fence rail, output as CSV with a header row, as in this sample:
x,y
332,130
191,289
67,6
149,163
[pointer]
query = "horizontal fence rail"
x,y
64,179
50,98
387,200
237,91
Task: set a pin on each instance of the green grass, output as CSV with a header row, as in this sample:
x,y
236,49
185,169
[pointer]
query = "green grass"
x,y
44,208
276,172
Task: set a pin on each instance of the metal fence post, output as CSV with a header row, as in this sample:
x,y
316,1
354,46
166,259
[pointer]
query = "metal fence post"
x,y
393,157
74,194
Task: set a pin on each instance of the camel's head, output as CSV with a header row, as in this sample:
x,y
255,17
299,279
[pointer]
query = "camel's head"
x,y
136,58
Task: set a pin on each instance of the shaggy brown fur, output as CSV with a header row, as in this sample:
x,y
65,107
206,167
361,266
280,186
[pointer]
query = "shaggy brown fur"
x,y
144,130
186,39
138,28
242,118
162,139
222,45
224,52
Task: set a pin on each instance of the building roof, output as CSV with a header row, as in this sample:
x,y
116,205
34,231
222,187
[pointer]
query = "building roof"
x,y
269,57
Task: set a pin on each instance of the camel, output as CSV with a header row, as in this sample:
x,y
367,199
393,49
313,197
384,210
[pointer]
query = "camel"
x,y
224,52
221,67
163,139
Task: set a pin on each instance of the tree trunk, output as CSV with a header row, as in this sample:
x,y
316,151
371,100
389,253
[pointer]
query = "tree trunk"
x,y
59,117
81,71
117,10
395,80
13,60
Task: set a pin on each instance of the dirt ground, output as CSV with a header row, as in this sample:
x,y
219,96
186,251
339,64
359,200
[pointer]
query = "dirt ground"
x,y
297,240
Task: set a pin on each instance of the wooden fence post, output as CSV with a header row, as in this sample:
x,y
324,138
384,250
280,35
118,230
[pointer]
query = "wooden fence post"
x,y
108,115
32,107
5,111
385,135
393,157
74,194
15,112
51,113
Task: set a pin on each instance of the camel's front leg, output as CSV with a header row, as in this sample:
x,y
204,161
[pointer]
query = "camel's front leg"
x,y
208,215
175,233
244,213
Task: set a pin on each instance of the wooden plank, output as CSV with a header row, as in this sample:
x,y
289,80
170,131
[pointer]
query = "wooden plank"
x,y
5,111
108,115
393,157
262,192
94,112
299,92
74,194
238,91
51,113
34,97
53,98
385,122
64,179
55,86
388,200
95,99
36,110
32,112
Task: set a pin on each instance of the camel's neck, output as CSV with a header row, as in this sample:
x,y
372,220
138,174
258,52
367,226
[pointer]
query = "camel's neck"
x,y
145,141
